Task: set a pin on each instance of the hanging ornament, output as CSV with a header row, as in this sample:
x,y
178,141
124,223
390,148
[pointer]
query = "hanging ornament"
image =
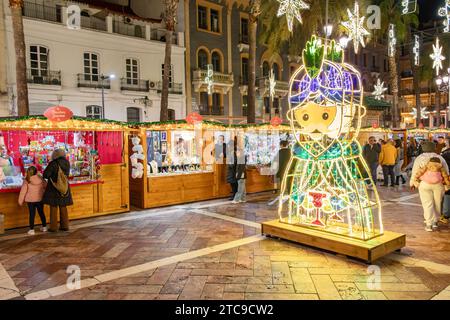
x,y
437,56
445,12
379,90
409,6
272,84
416,50
355,28
392,40
291,8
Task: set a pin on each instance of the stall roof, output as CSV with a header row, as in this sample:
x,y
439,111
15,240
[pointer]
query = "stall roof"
x,y
372,103
75,123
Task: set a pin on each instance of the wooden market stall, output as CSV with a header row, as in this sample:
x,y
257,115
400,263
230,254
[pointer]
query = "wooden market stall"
x,y
96,149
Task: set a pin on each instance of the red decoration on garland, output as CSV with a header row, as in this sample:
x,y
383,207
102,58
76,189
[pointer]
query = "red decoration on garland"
x,y
58,113
193,118
375,125
276,121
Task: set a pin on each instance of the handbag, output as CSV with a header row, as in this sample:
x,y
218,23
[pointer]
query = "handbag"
x,y
62,183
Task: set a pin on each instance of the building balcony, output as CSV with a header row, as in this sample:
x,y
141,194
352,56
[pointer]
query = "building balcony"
x,y
221,81
139,85
92,81
211,110
174,88
129,29
281,87
160,35
44,77
41,12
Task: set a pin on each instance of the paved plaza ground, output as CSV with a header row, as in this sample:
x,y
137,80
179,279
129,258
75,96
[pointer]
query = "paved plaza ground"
x,y
214,250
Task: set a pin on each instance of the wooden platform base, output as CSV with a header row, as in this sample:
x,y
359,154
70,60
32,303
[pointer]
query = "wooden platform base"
x,y
368,251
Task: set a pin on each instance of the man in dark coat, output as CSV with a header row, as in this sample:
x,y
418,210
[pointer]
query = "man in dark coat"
x,y
52,196
371,153
284,155
231,177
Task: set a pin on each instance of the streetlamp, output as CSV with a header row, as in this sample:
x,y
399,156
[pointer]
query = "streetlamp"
x,y
443,85
103,78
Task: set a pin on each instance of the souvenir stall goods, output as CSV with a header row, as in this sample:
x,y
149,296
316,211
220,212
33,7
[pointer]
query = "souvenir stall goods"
x,y
94,149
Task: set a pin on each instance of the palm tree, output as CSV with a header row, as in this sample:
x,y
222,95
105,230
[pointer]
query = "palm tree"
x,y
255,11
391,14
19,45
170,20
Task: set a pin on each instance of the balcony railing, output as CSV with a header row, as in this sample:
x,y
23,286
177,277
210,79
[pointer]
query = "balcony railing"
x,y
174,88
43,12
160,35
134,84
280,86
127,29
211,110
46,77
93,23
92,81
218,78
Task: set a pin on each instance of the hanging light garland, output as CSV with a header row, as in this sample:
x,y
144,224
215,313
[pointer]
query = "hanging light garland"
x,y
272,84
416,50
409,6
392,40
291,8
209,78
437,56
379,90
355,28
445,12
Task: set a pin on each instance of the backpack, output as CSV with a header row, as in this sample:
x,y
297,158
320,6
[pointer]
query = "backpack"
x,y
62,183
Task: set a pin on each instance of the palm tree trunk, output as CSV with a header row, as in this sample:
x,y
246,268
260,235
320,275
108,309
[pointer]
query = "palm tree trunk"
x,y
251,92
393,74
438,107
164,115
21,66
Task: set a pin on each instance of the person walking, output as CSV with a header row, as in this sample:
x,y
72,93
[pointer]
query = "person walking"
x,y
446,203
440,145
429,151
371,153
399,163
32,191
241,176
57,173
388,157
231,175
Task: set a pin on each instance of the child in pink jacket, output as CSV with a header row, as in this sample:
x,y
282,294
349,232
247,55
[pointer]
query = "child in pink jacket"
x,y
32,192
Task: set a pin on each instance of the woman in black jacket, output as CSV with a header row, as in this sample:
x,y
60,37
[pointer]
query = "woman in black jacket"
x,y
52,196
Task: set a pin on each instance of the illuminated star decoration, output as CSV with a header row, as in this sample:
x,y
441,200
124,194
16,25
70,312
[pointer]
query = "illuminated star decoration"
x,y
379,90
355,27
272,84
423,113
209,78
437,56
445,12
291,8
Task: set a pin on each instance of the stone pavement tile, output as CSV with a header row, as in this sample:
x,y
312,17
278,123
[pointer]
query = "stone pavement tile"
x,y
148,288
329,271
402,295
129,280
193,288
244,259
359,278
229,255
212,291
262,266
373,295
233,296
348,291
443,295
281,273
270,288
400,287
279,296
221,272
235,287
430,280
175,284
302,280
161,275
144,296
325,287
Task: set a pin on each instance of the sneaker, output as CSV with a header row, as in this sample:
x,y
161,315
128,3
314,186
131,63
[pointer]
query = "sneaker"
x,y
44,229
234,201
434,225
242,201
443,220
31,232
428,228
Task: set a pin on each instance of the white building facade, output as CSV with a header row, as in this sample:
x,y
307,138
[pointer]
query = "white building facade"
x,y
73,67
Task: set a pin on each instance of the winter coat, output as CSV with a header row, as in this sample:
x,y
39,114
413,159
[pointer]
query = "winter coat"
x,y
231,173
399,162
284,155
371,153
32,191
388,155
440,147
52,196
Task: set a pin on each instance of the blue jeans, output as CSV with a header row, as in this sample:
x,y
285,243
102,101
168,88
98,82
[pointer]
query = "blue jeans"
x,y
373,171
446,206
240,194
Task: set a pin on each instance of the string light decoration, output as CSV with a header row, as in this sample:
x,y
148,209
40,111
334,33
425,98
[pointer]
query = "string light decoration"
x,y
437,56
392,40
445,12
423,113
379,90
209,78
272,84
291,8
408,6
326,184
355,28
416,50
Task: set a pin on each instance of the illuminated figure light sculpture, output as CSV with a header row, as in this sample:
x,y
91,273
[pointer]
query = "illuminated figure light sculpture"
x,y
327,185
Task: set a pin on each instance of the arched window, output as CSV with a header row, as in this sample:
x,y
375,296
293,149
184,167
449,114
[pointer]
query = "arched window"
x,y
94,112
202,59
265,69
215,60
133,114
276,70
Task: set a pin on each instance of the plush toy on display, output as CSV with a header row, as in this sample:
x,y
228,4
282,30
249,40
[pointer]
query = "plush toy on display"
x,y
327,185
138,154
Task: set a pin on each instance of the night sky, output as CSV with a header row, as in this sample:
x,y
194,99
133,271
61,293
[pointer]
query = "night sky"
x,y
428,9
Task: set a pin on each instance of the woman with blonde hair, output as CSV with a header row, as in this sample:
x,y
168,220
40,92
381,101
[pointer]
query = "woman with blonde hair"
x,y
52,196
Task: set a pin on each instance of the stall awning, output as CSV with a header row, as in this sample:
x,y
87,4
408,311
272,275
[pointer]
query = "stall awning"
x,y
374,104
